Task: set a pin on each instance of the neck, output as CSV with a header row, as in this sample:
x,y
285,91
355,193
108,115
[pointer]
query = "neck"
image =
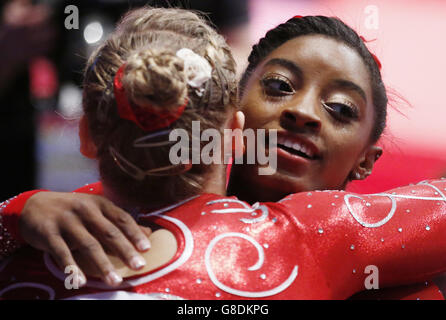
x,y
128,206
238,187
246,188
214,182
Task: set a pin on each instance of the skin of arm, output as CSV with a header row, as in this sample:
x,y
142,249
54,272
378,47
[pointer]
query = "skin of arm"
x,y
58,223
10,239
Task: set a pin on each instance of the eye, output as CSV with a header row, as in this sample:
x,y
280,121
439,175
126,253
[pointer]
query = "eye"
x,y
276,87
341,111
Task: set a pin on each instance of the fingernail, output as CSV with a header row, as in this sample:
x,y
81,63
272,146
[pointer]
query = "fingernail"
x,y
113,278
82,280
137,262
143,245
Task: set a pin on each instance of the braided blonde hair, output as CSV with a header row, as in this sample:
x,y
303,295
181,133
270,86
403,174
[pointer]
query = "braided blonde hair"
x,y
146,41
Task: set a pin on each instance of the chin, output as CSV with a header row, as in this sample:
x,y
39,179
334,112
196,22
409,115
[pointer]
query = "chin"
x,y
284,183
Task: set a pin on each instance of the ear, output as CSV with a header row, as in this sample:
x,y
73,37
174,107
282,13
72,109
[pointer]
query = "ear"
x,y
365,163
87,148
234,144
237,125
238,121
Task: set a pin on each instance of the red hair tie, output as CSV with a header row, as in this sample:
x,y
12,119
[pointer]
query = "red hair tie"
x,y
147,118
377,61
297,17
373,55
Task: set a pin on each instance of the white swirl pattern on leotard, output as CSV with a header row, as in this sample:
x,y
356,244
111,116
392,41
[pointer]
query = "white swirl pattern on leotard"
x,y
393,198
125,295
256,266
188,249
47,289
246,209
363,223
433,187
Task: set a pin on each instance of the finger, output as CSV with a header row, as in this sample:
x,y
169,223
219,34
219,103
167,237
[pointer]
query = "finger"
x,y
60,252
79,238
127,225
110,236
114,240
147,231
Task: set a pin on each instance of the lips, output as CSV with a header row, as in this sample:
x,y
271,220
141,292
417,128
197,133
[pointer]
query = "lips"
x,y
297,146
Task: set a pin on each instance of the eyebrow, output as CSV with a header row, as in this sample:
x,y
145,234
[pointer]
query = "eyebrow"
x,y
345,84
286,64
298,71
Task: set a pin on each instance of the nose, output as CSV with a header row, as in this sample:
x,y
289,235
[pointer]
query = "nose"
x,y
300,120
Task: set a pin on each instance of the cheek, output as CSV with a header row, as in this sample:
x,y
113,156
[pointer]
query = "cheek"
x,y
258,113
344,152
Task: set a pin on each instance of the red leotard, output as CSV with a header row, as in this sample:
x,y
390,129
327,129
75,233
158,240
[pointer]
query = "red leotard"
x,y
311,245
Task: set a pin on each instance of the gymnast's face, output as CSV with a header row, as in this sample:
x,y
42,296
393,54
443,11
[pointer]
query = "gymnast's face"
x,y
316,92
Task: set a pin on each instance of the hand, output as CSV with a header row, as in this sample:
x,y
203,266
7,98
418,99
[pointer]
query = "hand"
x,y
59,223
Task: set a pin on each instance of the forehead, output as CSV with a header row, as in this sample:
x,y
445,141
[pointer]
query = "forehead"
x,y
324,57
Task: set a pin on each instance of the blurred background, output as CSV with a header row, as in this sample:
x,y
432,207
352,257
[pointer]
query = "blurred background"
x,y
41,64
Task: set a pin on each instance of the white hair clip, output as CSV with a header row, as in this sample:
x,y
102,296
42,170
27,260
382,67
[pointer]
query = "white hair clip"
x,y
197,69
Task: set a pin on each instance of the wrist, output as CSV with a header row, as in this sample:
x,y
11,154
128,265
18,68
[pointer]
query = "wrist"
x,y
11,210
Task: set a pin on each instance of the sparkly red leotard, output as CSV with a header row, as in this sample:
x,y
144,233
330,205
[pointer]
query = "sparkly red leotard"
x,y
312,245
